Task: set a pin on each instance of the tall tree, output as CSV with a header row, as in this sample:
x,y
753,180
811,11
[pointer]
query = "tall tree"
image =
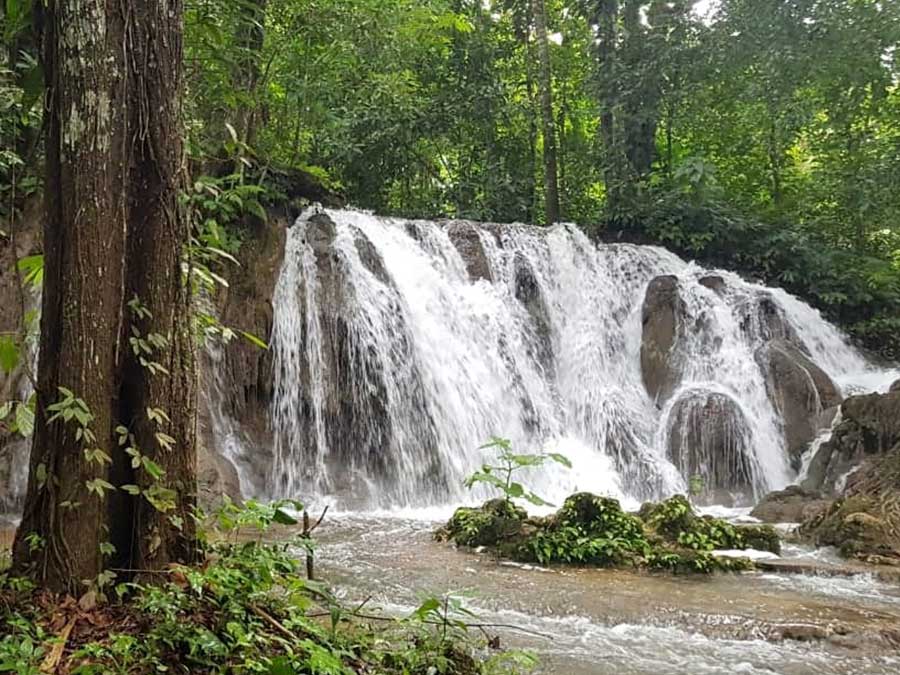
x,y
545,78
116,378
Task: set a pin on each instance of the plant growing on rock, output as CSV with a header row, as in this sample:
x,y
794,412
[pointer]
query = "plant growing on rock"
x,y
500,476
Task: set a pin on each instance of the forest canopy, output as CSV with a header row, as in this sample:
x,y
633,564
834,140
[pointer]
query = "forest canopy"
x,y
762,135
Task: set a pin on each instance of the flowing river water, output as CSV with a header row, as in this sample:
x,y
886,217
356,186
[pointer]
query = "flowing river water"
x,y
596,622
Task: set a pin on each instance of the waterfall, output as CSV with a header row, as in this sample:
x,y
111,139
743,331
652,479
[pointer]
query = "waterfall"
x,y
400,347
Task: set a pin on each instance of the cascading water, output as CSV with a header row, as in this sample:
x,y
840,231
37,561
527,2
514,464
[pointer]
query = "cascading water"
x,y
394,362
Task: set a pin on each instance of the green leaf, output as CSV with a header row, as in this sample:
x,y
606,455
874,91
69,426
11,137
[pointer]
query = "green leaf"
x,y
151,467
515,490
560,459
33,268
252,339
9,354
24,420
284,518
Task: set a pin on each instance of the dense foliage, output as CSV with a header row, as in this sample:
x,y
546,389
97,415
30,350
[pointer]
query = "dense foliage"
x,y
762,135
247,609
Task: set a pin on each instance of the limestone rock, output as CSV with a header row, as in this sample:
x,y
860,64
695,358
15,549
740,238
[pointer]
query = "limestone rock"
x,y
217,478
467,240
714,283
662,313
799,390
707,440
869,426
791,505
764,320
528,292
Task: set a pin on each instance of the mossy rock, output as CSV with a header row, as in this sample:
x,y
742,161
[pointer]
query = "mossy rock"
x,y
601,516
669,518
488,525
688,561
854,525
595,531
760,538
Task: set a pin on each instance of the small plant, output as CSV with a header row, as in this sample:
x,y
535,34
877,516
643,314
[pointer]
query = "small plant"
x,y
500,476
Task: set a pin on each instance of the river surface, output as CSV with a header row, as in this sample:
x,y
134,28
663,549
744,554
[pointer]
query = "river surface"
x,y
593,622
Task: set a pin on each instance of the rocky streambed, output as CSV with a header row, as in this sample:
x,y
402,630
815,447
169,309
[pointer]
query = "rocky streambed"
x,y
592,621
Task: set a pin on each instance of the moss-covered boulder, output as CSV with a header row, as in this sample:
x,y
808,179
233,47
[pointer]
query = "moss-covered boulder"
x,y
596,531
494,523
674,521
859,527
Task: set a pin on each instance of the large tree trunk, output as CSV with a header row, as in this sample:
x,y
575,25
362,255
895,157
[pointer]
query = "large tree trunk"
x,y
113,232
551,177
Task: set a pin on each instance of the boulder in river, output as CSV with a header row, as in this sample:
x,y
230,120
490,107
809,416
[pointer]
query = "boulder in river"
x,y
662,313
869,426
708,443
799,390
791,505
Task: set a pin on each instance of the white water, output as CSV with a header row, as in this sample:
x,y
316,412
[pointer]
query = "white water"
x,y
439,363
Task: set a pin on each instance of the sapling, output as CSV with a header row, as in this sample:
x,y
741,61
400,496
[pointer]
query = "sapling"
x,y
500,476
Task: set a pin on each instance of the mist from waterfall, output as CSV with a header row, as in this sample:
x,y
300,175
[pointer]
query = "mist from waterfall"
x,y
545,351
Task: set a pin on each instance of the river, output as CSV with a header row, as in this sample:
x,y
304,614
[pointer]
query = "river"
x,y
593,622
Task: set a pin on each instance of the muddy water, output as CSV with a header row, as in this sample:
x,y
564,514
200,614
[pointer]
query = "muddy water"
x,y
582,622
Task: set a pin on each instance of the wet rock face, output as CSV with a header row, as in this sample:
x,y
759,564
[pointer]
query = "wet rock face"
x,y
799,390
245,371
860,527
528,292
870,426
466,239
707,442
714,283
791,505
217,478
662,313
764,320
360,433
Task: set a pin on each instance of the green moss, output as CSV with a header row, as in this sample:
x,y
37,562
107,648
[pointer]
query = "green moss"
x,y
595,531
487,525
760,537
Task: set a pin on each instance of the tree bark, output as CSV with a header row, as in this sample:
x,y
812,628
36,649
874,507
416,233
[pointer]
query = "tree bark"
x,y
551,176
113,231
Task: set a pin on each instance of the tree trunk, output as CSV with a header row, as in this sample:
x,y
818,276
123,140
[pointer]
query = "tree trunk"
x,y
607,16
251,36
545,82
113,232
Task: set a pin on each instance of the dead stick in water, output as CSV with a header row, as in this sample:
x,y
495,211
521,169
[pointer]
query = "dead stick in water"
x,y
307,534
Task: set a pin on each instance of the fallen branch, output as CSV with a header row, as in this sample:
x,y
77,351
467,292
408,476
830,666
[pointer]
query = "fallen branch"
x,y
51,663
376,617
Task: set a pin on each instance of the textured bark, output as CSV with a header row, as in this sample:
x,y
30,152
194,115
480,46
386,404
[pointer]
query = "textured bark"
x,y
551,175
112,231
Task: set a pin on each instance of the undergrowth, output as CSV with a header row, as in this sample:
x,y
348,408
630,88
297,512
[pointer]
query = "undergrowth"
x,y
246,609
